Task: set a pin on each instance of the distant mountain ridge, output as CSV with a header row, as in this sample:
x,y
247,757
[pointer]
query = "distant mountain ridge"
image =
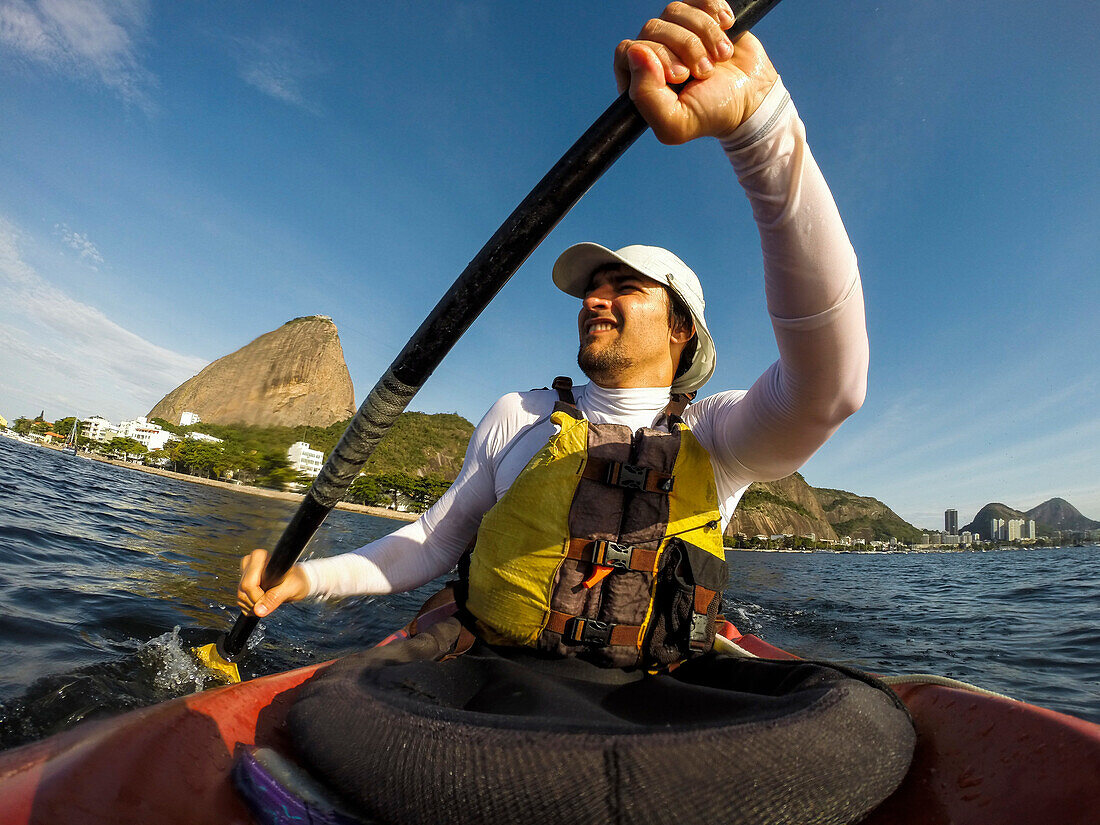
x,y
1059,514
792,506
294,380
1052,516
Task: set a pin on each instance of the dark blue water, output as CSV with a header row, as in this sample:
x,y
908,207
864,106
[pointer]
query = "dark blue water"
x,y
108,576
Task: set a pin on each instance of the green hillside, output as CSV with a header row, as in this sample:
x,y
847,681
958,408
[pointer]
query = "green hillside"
x,y
864,517
417,444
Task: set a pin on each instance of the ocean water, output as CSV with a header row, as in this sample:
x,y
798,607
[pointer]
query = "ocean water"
x,y
109,576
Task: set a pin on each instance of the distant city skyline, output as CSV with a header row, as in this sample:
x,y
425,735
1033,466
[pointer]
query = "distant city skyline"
x,y
178,179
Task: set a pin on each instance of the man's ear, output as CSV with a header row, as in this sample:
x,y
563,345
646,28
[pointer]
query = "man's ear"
x,y
683,334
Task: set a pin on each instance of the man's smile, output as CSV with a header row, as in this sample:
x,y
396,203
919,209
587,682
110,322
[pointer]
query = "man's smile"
x,y
599,326
593,326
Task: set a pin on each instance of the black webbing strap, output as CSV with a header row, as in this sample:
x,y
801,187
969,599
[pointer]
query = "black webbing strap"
x,y
674,411
563,385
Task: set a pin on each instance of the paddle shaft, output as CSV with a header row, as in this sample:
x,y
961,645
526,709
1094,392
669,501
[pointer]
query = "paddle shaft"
x,y
579,168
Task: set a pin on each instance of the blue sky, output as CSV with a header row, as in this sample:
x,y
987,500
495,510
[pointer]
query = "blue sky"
x,y
179,178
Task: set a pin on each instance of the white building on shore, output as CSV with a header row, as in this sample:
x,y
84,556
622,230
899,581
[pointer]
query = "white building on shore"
x,y
98,428
150,436
1012,529
305,460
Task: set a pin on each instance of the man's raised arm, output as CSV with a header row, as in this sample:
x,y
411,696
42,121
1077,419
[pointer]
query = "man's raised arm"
x,y
811,277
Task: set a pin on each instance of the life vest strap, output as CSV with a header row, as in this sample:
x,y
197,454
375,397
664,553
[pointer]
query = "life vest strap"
x,y
612,554
583,630
563,386
630,476
674,412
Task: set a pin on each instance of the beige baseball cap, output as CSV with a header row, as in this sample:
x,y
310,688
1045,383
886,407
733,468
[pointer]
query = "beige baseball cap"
x,y
574,268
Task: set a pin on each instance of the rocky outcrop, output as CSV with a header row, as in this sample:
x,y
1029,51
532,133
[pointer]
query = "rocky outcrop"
x,y
792,506
784,506
291,376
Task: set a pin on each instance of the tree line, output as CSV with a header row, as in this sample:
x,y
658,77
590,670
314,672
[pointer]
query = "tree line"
x,y
258,456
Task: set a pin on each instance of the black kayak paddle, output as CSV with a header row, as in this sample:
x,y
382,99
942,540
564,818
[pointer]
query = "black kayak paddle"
x,y
579,168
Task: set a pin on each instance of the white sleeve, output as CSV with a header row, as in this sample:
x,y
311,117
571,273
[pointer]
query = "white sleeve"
x,y
814,298
431,545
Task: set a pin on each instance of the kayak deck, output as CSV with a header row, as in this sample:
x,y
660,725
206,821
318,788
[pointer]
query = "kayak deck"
x,y
980,759
983,759
167,764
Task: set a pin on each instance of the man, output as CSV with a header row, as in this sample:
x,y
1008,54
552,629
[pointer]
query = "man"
x,y
579,681
642,315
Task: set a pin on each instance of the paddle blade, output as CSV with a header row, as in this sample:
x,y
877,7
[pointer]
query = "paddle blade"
x,y
210,656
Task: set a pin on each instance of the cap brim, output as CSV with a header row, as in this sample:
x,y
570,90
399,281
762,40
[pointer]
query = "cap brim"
x,y
574,267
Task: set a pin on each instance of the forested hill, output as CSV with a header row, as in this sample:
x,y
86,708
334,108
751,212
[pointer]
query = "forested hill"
x,y
422,444
863,517
418,444
787,506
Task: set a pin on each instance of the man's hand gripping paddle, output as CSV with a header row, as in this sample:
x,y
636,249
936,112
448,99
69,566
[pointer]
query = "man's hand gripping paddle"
x,y
579,168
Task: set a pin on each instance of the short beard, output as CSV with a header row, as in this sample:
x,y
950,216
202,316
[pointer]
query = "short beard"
x,y
602,366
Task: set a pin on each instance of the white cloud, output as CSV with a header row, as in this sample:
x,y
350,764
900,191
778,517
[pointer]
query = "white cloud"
x,y
278,67
67,356
87,250
91,40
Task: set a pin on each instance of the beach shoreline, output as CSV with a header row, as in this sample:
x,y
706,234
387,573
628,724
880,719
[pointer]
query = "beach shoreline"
x,y
379,512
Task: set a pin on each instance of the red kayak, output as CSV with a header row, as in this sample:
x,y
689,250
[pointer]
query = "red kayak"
x,y
981,759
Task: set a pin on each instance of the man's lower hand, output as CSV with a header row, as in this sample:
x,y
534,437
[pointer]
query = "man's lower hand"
x,y
252,598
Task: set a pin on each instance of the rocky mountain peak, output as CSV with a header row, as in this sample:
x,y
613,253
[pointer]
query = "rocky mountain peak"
x,y
293,375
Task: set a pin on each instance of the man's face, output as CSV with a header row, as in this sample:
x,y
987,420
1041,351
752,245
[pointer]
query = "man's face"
x,y
625,339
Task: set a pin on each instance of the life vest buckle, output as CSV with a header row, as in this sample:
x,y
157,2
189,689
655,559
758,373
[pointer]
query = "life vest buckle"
x,y
612,554
698,636
588,631
630,476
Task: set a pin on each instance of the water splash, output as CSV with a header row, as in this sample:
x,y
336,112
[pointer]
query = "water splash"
x,y
156,670
175,670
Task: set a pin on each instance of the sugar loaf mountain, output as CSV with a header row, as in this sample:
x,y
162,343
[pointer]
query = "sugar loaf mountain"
x,y
295,375
294,383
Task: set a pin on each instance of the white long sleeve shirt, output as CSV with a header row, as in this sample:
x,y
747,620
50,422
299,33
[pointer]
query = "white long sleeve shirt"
x,y
815,301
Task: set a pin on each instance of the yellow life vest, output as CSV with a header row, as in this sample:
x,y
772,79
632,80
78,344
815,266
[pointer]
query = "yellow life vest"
x,y
607,546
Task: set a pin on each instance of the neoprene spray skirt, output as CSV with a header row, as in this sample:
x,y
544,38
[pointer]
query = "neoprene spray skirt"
x,y
504,736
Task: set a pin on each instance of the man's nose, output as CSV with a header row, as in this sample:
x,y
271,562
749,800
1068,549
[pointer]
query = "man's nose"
x,y
598,299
